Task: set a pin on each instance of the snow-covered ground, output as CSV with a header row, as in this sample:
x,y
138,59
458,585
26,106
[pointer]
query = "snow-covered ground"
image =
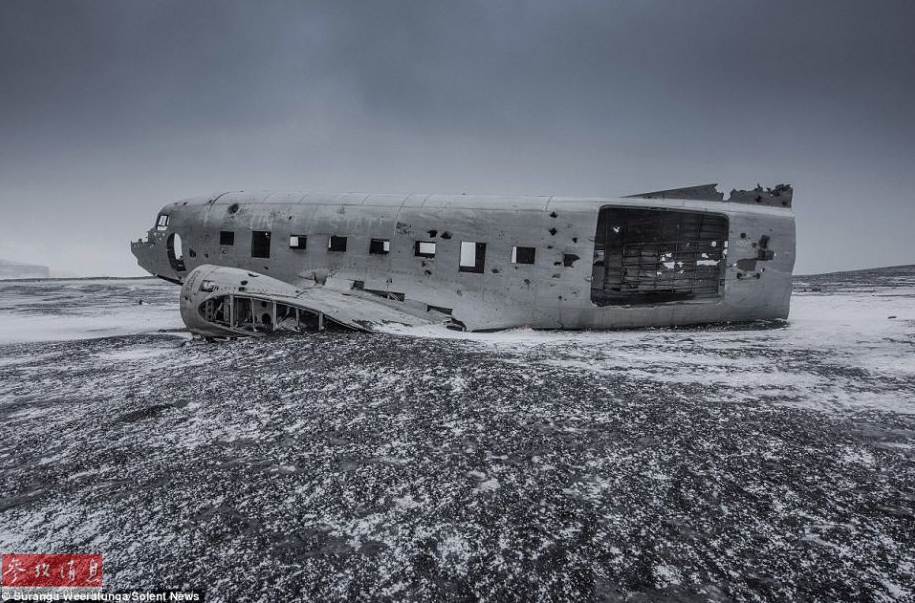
x,y
61,310
728,462
816,359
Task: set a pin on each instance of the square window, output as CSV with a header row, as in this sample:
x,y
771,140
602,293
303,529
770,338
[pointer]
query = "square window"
x,y
226,237
336,243
298,242
424,249
523,255
473,256
260,243
380,246
162,222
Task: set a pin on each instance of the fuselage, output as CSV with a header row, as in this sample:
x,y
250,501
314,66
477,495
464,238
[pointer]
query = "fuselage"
x,y
499,262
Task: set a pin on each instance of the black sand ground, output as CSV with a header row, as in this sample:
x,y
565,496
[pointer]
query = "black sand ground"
x,y
346,466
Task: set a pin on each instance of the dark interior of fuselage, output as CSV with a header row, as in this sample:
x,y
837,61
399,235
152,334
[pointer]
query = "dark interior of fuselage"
x,y
653,255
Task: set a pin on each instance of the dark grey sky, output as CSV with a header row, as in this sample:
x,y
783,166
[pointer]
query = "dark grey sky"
x,y
109,110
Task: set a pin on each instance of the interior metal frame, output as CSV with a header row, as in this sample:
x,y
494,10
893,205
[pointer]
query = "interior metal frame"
x,y
655,255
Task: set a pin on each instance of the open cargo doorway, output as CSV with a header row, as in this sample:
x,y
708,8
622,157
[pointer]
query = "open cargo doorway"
x,y
651,256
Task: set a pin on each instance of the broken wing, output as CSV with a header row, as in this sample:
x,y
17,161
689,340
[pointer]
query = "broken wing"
x,y
231,302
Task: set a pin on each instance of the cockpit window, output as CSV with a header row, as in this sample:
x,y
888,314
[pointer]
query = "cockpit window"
x,y
162,222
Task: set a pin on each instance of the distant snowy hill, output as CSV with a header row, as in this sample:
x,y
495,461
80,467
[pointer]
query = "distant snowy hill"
x,y
9,270
888,276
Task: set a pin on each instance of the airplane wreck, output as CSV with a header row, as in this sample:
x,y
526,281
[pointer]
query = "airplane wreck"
x,y
254,263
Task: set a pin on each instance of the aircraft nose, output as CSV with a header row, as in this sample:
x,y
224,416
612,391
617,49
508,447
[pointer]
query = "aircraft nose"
x,y
153,256
144,252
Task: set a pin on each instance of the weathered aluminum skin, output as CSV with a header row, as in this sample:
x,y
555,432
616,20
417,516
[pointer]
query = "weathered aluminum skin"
x,y
546,294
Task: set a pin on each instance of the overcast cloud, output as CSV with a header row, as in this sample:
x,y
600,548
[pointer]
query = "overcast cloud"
x,y
109,110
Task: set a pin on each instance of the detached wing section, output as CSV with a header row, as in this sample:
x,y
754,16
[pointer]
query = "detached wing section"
x,y
230,302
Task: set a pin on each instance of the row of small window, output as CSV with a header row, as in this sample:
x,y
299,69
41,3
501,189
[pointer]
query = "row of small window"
x,y
473,254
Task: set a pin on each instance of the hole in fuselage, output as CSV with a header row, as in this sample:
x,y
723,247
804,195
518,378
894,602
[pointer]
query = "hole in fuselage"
x,y
175,252
650,256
